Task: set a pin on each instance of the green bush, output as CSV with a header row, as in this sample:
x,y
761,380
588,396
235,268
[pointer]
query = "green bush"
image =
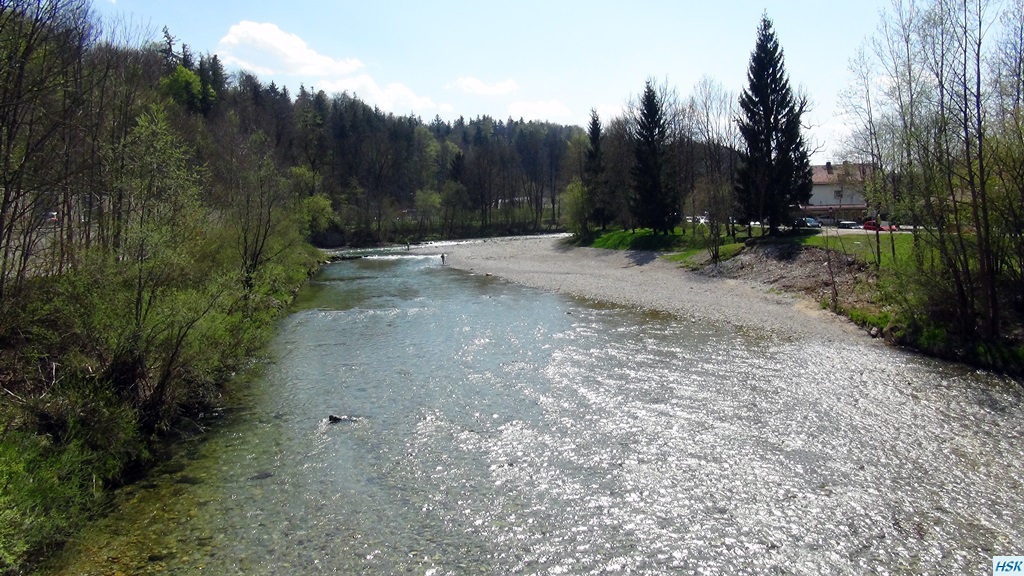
x,y
52,481
869,318
575,209
75,431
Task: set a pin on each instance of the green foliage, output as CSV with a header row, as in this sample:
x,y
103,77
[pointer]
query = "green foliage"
x,y
184,87
728,250
318,213
644,239
576,209
682,246
80,434
151,319
304,181
52,482
428,207
34,476
689,250
869,318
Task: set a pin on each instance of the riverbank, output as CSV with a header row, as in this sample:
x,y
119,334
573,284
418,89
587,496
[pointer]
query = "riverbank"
x,y
91,421
643,280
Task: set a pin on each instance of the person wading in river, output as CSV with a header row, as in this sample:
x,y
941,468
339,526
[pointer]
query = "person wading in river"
x,y
442,259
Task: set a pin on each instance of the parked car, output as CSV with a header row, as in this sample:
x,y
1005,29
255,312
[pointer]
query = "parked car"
x,y
876,225
848,224
807,222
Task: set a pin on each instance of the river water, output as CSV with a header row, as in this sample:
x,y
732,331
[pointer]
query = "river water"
x,y
490,428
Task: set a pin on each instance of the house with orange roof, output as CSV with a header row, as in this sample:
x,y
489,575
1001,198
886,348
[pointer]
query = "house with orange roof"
x,y
838,192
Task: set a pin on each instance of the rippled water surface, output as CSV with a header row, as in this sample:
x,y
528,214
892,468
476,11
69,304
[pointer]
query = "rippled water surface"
x,y
491,428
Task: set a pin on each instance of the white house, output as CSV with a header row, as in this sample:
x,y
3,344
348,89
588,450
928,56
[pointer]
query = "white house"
x,y
838,192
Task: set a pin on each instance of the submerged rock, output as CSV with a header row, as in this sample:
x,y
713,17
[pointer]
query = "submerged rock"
x,y
341,257
338,419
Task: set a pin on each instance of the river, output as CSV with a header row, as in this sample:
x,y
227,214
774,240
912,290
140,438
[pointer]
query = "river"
x,y
491,428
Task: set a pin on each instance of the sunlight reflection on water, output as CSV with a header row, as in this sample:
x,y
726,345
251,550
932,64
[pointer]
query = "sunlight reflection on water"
x,y
497,429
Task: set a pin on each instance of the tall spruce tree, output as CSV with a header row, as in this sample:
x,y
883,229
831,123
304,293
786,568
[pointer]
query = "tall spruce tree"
x,y
652,203
593,174
775,168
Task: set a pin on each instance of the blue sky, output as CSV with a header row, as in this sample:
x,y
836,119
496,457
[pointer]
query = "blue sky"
x,y
533,59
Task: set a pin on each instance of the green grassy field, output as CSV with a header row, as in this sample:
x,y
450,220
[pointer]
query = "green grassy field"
x,y
689,250
862,246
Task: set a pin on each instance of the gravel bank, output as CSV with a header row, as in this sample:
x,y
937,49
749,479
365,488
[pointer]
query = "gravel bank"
x,y
642,280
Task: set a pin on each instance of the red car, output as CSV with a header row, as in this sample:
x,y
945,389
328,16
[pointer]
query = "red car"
x,y
875,225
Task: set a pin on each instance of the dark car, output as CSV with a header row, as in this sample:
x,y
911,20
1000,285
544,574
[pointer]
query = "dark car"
x,y
807,222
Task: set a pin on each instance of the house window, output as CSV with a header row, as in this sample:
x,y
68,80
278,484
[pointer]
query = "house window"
x,y
839,194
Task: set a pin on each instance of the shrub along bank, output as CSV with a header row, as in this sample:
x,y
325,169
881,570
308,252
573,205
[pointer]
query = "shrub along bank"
x,y
913,308
88,389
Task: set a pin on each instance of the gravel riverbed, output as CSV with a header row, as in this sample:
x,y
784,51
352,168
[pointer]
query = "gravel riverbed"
x,y
644,280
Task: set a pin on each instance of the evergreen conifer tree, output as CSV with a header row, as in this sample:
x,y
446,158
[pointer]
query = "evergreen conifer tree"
x,y
593,173
651,202
775,171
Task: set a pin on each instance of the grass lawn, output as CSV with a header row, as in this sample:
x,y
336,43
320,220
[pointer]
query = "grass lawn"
x,y
690,249
862,246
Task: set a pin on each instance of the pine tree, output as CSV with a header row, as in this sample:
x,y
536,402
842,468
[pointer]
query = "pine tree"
x,y
651,203
775,171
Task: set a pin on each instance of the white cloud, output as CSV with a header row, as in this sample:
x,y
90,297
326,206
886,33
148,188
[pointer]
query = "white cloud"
x,y
551,110
476,86
394,97
266,49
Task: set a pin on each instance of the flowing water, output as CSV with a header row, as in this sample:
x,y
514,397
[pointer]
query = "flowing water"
x,y
489,428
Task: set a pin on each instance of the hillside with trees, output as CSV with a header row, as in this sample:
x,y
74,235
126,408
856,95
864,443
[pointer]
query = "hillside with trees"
x,y
157,215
